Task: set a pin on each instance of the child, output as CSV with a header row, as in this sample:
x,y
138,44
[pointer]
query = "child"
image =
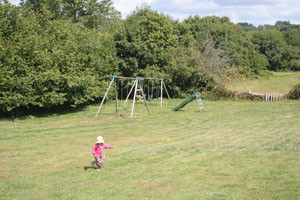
x,y
98,152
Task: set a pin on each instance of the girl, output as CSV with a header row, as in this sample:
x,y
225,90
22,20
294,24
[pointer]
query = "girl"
x,y
98,152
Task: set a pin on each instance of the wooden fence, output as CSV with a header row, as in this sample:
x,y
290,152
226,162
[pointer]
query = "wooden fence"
x,y
274,97
269,97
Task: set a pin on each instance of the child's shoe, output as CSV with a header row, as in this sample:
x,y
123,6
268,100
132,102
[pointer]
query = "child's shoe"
x,y
98,169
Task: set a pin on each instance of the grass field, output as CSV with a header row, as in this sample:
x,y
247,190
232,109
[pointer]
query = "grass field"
x,y
278,82
232,150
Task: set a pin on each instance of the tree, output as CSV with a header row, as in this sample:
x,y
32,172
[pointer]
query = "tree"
x,y
213,58
91,13
247,27
44,6
74,9
229,37
182,70
142,41
100,14
271,44
44,65
188,68
279,26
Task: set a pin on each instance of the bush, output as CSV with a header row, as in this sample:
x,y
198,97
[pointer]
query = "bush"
x,y
45,64
295,92
218,93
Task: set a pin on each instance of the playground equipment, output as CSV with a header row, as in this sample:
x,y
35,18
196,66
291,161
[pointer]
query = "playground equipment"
x,y
138,87
197,96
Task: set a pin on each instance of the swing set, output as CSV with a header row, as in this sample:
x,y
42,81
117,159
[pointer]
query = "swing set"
x,y
138,87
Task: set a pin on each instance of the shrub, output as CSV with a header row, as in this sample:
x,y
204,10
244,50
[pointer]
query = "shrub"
x,y
45,64
218,93
295,92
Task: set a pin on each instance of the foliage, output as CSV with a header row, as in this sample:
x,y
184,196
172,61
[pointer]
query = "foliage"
x,y
281,49
49,63
190,69
92,14
218,93
49,7
292,52
247,27
279,25
142,41
214,60
184,65
271,44
57,52
292,37
295,92
235,43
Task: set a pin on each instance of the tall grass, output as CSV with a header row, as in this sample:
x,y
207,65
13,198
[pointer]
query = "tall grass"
x,y
278,82
232,150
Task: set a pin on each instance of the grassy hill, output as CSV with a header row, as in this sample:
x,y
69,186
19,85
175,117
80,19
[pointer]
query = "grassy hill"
x,y
278,82
232,150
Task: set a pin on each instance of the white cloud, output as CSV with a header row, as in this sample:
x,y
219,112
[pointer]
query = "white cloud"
x,y
127,6
15,2
244,2
251,11
183,6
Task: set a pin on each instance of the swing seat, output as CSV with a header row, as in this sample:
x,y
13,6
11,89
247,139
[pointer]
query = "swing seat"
x,y
139,97
150,97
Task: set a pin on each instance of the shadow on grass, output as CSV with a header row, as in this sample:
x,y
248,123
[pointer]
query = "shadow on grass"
x,y
88,167
23,114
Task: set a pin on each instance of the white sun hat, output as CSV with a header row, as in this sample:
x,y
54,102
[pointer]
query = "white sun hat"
x,y
100,139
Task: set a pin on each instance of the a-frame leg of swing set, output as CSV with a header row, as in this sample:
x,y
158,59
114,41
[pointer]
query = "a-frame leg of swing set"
x,y
116,93
104,97
134,97
129,93
133,101
167,92
163,85
135,85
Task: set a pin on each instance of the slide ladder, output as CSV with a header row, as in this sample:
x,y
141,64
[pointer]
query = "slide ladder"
x,y
199,100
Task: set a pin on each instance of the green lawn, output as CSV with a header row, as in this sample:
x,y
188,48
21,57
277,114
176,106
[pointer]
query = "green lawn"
x,y
279,82
232,150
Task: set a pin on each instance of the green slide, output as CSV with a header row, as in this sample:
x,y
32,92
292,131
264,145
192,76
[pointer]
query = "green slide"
x,y
190,99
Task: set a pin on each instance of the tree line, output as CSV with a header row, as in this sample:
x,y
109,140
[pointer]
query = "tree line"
x,y
58,52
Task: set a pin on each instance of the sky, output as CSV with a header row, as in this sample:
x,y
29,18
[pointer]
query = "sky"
x,y
256,12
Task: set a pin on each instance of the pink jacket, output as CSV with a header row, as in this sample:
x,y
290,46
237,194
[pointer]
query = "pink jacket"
x,y
98,150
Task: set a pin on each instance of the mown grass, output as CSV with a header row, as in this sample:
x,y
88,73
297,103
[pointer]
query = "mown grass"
x,y
278,82
232,150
